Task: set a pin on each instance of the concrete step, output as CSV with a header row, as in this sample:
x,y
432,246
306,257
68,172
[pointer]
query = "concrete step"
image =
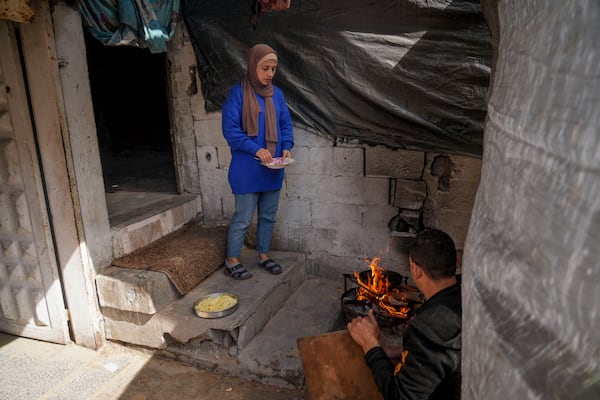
x,y
139,218
177,324
272,356
259,300
257,341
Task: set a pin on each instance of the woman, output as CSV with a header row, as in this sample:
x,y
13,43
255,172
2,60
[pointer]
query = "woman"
x,y
257,126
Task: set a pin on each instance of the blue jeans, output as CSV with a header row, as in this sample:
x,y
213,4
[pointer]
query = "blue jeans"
x,y
245,204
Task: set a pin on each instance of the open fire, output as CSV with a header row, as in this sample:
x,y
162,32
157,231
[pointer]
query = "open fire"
x,y
385,292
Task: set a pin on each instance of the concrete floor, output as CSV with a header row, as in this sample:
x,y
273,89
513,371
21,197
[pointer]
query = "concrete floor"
x,y
31,369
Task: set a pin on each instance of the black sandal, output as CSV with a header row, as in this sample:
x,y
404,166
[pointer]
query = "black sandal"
x,y
270,266
237,271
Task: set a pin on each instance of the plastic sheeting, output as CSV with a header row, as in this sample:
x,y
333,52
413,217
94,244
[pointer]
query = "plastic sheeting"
x,y
141,23
531,268
410,74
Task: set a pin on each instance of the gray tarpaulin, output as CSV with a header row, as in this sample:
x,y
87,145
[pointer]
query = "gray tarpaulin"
x,y
411,74
531,268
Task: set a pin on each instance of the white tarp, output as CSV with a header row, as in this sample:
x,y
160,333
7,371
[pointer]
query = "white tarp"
x,y
531,272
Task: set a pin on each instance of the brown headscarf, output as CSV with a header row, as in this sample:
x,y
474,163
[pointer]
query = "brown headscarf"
x,y
250,107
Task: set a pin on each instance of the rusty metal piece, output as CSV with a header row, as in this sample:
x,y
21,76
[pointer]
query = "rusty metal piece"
x,y
16,10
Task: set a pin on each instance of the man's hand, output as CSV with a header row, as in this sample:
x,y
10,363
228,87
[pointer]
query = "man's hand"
x,y
365,331
286,154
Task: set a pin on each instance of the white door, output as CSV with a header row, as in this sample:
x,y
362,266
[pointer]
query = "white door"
x,y
31,299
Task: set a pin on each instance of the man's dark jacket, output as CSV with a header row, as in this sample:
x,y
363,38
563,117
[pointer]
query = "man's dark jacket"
x,y
430,365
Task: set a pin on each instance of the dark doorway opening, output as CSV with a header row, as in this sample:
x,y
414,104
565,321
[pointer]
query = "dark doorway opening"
x,y
129,92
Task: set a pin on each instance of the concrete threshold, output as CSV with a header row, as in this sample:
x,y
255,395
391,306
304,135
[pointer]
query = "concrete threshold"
x,y
139,218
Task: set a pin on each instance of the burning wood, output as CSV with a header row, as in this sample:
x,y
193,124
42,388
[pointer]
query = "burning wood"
x,y
377,283
375,287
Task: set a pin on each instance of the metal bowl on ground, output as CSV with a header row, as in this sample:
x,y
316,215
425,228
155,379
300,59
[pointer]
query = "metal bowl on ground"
x,y
218,312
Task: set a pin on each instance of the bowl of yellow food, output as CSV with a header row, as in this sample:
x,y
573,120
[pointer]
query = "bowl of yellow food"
x,y
216,305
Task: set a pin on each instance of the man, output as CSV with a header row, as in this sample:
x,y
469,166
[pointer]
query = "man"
x,y
429,366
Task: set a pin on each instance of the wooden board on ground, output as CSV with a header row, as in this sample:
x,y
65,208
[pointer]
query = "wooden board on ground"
x,y
335,368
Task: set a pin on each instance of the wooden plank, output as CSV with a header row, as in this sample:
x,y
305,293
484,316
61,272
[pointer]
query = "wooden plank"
x,y
335,368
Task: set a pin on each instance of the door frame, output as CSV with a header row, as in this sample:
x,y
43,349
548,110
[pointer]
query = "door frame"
x,y
56,70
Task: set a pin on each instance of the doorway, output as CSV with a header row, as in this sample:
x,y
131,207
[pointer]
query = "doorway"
x,y
129,92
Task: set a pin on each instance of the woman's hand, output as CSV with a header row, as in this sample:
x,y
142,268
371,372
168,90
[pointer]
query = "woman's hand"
x,y
286,154
365,331
264,155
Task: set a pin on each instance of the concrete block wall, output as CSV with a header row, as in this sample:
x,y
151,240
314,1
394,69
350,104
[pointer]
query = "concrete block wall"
x,y
340,198
451,209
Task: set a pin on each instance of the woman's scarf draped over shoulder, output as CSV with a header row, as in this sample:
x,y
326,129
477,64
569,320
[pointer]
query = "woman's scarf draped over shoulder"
x,y
250,107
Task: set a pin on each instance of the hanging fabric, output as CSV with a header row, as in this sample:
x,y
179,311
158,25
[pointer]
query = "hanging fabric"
x,y
142,23
274,5
260,6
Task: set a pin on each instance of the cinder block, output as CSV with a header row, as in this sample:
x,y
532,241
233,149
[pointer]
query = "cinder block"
x,y
362,191
315,239
281,239
359,231
304,138
372,241
135,290
451,209
208,159
197,104
320,160
212,202
348,161
228,205
123,326
454,222
410,194
468,168
378,217
403,164
459,196
307,186
209,132
339,215
224,156
294,212
301,155
334,267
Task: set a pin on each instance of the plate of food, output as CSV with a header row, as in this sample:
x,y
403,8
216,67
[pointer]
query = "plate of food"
x,y
216,305
279,162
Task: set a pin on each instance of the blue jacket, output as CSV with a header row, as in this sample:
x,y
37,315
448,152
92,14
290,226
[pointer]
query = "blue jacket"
x,y
246,174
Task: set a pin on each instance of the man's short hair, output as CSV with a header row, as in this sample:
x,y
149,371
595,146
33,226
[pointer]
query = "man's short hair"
x,y
434,251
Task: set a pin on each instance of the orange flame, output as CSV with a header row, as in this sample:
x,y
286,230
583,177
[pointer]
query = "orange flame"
x,y
377,290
